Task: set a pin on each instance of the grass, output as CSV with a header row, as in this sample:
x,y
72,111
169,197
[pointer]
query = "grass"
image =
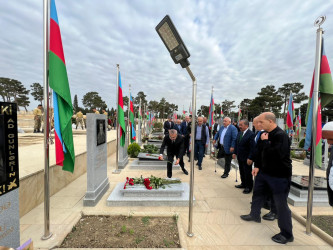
x,y
145,220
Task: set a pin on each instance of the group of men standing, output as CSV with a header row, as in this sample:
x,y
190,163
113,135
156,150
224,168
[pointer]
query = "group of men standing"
x,y
263,154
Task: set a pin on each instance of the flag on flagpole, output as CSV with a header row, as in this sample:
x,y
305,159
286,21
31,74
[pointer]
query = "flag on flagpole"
x,y
132,122
291,112
298,123
325,97
211,111
221,112
62,101
239,114
121,114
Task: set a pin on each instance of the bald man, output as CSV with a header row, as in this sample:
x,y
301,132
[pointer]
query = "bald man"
x,y
273,171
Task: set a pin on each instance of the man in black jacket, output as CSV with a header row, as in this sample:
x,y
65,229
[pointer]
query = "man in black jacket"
x,y
244,150
274,172
168,125
175,147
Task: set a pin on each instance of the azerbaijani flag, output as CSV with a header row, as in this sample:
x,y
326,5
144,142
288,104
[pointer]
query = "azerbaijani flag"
x,y
132,122
325,97
211,112
121,115
298,123
239,114
291,112
62,101
221,112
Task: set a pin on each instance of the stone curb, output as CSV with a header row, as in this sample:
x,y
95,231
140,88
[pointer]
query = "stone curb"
x,y
316,230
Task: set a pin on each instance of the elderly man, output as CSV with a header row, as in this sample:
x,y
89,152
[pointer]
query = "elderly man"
x,y
178,126
201,137
185,134
169,124
175,147
226,138
273,172
244,151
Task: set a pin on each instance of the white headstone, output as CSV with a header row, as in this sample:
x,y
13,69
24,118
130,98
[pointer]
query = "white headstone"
x,y
97,179
280,123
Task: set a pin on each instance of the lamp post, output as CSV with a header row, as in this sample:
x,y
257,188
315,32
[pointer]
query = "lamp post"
x,y
179,54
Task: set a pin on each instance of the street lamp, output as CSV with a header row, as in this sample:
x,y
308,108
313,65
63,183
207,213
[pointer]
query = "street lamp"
x,y
173,42
179,54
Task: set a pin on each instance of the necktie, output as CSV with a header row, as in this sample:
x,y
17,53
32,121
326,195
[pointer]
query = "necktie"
x,y
258,136
240,137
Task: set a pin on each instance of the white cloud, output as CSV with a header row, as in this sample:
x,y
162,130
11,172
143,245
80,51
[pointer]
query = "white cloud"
x,y
237,46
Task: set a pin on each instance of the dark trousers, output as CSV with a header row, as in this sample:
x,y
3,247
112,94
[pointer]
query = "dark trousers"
x,y
170,162
199,150
187,145
227,158
245,174
280,189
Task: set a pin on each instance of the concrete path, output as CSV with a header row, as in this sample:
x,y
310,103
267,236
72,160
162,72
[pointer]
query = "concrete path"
x,y
216,221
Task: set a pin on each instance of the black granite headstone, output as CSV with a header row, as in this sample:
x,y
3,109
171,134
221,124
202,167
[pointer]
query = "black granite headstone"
x,y
302,182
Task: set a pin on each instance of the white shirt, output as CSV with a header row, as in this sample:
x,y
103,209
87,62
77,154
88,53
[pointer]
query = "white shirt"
x,y
223,134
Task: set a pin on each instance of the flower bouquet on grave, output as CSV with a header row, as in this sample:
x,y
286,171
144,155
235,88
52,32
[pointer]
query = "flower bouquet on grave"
x,y
152,182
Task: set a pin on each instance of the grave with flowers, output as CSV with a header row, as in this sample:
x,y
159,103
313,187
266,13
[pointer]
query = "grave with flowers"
x,y
149,191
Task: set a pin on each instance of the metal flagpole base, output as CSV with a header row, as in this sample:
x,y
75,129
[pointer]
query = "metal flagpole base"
x,y
116,171
190,234
47,237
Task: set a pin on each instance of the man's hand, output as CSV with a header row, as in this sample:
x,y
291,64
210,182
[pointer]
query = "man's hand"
x,y
177,162
232,149
249,162
255,171
264,136
160,157
233,156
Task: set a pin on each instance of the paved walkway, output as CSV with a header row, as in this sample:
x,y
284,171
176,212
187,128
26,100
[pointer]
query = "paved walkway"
x,y
216,221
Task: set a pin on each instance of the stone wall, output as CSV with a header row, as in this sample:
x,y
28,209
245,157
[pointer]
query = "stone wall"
x,y
31,192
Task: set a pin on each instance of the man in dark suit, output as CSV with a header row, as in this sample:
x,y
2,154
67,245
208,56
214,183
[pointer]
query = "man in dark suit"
x,y
175,147
226,138
215,127
201,141
169,124
244,151
186,135
178,126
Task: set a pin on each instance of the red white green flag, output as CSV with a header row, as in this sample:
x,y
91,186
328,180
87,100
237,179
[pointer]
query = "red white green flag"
x,y
121,115
132,122
62,101
325,97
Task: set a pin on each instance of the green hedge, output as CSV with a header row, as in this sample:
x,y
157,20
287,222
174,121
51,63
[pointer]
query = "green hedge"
x,y
133,150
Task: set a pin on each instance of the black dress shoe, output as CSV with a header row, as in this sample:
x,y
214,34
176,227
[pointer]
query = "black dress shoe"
x,y
239,186
200,168
279,238
247,191
270,216
224,176
185,171
248,217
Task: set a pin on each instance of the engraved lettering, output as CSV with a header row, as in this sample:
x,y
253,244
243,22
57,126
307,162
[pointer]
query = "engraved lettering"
x,y
11,141
12,184
11,147
10,125
12,174
11,136
4,110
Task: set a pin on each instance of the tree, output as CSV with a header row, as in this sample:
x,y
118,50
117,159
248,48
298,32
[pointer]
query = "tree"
x,y
140,95
12,90
227,106
153,106
245,107
295,88
161,108
269,97
75,104
203,111
92,100
37,92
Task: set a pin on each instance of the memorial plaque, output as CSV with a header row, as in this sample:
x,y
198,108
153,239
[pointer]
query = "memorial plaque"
x,y
9,177
97,180
302,182
150,157
101,132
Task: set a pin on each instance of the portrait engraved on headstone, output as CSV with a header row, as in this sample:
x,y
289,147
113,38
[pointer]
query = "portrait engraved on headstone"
x,y
100,131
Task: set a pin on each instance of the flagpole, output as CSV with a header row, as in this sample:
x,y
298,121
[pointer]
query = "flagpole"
x,y
128,114
194,101
139,124
117,123
47,233
314,125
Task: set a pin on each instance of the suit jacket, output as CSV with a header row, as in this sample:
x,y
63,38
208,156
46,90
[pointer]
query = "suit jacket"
x,y
167,127
176,148
245,147
178,128
184,128
229,140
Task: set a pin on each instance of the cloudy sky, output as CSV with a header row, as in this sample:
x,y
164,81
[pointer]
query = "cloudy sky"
x,y
236,46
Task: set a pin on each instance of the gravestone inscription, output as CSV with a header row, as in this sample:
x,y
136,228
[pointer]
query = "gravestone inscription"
x,y
9,177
